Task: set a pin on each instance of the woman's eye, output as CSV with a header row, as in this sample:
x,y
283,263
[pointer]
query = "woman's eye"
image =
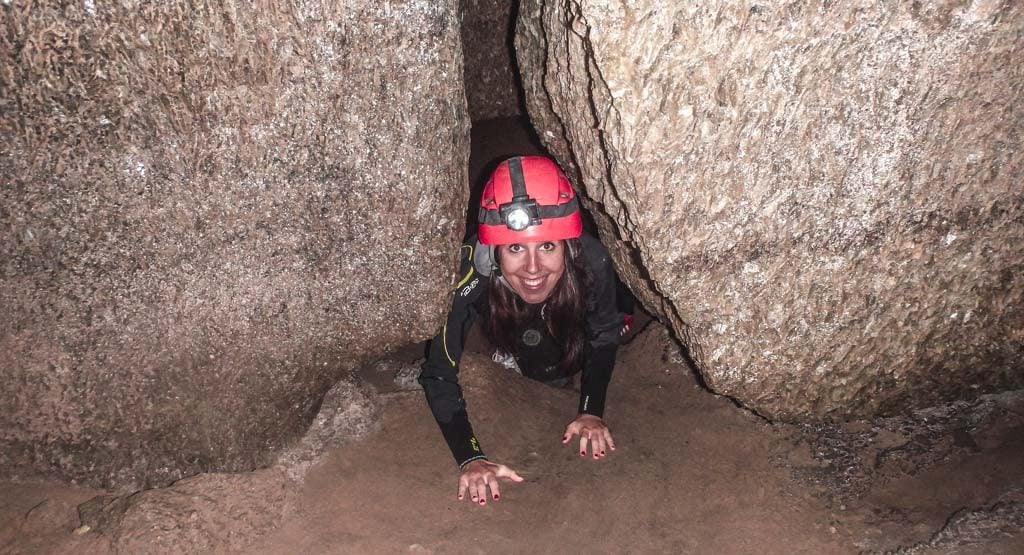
x,y
547,246
516,247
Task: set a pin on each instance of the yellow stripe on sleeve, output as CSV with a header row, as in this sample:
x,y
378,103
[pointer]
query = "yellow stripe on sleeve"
x,y
469,274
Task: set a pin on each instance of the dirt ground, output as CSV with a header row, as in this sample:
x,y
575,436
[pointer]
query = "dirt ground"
x,y
693,473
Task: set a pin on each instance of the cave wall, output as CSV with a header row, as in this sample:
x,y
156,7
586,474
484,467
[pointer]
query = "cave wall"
x,y
492,90
823,199
209,214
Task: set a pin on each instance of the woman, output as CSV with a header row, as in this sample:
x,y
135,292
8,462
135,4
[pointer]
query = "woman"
x,y
545,293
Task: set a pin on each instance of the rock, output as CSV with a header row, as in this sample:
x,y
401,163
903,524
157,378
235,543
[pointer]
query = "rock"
x,y
49,515
492,89
395,372
407,377
848,460
349,412
823,201
102,513
205,513
972,530
209,216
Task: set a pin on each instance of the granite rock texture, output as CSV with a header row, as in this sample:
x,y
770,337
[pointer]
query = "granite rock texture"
x,y
211,214
976,530
823,199
492,88
219,512
208,513
350,411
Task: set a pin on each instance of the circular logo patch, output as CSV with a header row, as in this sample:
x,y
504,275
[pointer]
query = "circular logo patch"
x,y
531,337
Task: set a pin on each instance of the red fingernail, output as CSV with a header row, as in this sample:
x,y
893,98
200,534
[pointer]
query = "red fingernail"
x,y
583,453
497,497
602,453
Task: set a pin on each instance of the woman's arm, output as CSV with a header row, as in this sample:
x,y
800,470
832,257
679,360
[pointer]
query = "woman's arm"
x,y
439,378
603,325
604,321
439,375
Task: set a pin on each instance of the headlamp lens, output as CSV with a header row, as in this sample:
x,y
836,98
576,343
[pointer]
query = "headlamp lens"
x,y
519,214
517,219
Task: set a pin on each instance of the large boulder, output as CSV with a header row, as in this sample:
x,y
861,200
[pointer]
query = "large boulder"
x,y
823,200
209,215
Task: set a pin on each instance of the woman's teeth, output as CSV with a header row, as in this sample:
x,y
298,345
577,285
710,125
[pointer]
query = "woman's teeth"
x,y
533,282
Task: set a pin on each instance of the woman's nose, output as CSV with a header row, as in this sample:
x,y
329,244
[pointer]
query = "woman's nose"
x,y
532,265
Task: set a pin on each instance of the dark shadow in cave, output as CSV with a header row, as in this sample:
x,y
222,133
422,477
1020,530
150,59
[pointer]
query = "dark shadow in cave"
x,y
492,141
510,43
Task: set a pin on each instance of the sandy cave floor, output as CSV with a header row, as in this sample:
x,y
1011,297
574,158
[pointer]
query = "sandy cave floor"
x,y
692,474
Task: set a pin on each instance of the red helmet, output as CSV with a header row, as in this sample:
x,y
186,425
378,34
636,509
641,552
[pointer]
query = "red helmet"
x,y
528,198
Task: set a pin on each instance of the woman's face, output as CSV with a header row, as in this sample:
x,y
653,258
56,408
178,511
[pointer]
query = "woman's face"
x,y
532,269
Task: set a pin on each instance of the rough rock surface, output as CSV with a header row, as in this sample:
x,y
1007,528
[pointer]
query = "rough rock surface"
x,y
973,530
209,513
850,458
825,198
208,215
227,512
492,90
350,411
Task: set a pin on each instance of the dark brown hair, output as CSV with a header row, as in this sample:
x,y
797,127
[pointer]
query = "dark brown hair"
x,y
565,310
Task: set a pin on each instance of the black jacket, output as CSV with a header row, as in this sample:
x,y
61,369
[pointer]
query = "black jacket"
x,y
440,371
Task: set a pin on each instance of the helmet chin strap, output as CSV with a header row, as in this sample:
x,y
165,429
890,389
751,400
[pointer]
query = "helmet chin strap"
x,y
505,282
497,271
486,262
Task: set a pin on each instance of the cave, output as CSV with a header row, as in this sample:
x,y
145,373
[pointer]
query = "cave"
x,y
230,230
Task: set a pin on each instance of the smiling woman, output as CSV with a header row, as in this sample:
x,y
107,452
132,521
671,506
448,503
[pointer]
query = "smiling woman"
x,y
545,292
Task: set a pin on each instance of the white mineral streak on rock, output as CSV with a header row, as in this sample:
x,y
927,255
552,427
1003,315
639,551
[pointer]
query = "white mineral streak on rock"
x,y
852,171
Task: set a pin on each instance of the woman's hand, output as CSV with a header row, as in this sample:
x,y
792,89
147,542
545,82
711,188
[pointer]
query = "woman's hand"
x,y
481,474
592,428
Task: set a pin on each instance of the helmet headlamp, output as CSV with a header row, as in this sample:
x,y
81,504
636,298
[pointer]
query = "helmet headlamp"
x,y
520,214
